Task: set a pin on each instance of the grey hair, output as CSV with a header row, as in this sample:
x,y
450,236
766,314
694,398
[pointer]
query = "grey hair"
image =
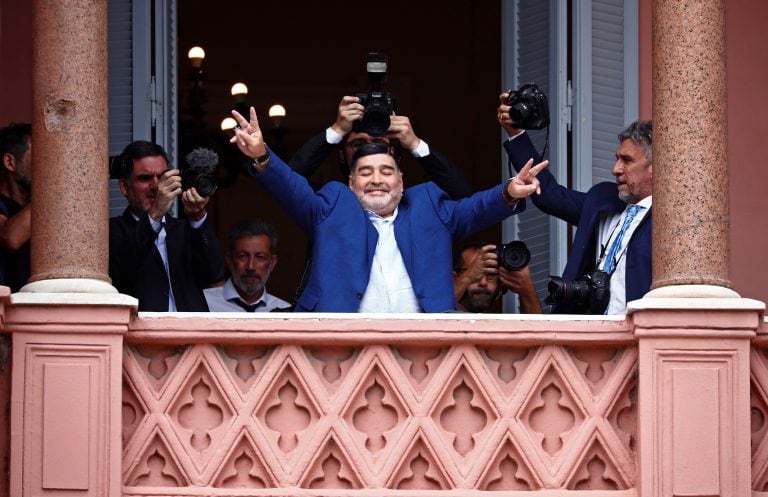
x,y
640,132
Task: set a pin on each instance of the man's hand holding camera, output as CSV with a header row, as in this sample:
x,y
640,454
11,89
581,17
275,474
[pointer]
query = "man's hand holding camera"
x,y
519,281
168,188
194,204
400,128
350,110
502,115
485,264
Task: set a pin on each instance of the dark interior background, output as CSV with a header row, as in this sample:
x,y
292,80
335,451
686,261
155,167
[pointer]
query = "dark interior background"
x,y
444,72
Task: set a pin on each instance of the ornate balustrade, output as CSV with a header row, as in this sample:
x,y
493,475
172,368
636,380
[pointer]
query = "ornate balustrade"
x,y
108,403
335,405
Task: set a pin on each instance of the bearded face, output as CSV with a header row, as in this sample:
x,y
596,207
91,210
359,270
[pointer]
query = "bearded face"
x,y
251,261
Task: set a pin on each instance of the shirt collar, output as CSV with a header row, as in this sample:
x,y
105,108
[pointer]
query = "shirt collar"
x,y
646,202
375,218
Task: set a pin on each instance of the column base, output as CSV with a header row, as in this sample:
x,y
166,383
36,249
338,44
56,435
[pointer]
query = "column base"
x,y
69,285
694,297
692,291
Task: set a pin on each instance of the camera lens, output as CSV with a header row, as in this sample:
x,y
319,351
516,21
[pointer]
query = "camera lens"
x,y
519,113
205,185
566,291
514,255
375,120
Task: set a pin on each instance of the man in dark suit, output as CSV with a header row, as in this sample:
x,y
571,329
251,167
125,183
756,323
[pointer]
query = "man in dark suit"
x,y
345,136
15,204
613,220
378,247
162,261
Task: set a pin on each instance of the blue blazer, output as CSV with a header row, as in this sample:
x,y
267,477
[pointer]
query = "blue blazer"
x,y
584,210
344,239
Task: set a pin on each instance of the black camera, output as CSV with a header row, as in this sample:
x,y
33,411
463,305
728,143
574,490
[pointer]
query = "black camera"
x,y
200,171
588,295
513,255
529,108
379,104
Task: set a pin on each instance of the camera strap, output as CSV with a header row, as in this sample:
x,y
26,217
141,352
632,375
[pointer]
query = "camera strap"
x,y
613,256
604,246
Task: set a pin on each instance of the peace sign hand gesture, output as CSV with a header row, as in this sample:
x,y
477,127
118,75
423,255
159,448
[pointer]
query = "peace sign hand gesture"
x,y
525,183
248,136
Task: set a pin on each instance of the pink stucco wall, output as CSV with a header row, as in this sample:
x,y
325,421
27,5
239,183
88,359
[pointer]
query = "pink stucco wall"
x,y
747,129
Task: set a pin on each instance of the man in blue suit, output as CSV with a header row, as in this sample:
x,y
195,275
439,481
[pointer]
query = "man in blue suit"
x,y
378,247
613,220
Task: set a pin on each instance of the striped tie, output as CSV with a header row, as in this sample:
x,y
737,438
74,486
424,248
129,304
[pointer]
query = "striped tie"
x,y
610,257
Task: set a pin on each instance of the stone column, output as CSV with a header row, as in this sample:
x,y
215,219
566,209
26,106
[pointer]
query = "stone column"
x,y
67,324
69,148
693,331
690,194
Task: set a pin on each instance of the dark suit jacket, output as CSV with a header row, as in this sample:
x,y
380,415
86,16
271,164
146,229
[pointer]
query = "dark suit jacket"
x,y
136,269
443,172
14,266
584,210
345,239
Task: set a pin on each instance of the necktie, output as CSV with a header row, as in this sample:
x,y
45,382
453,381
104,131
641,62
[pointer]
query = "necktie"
x,y
610,257
248,307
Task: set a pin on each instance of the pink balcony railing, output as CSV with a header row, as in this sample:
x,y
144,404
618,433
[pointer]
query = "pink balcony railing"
x,y
105,402
312,406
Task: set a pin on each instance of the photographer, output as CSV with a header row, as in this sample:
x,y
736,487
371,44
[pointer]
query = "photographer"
x,y
610,262
162,261
370,117
345,136
479,280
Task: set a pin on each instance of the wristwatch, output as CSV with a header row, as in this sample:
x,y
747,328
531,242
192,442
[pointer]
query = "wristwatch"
x,y
260,162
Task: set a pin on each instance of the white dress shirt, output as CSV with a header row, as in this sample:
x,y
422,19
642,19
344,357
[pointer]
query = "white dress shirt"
x,y
159,228
222,299
389,286
609,228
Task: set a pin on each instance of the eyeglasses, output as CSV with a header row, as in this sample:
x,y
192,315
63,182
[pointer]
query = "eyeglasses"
x,y
359,142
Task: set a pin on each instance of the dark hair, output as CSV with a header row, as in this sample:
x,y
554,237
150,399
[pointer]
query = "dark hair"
x,y
249,228
395,150
370,149
123,164
462,247
640,132
14,139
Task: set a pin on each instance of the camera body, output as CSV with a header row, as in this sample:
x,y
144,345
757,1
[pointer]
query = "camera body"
x,y
587,295
203,181
200,171
529,108
378,104
513,256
